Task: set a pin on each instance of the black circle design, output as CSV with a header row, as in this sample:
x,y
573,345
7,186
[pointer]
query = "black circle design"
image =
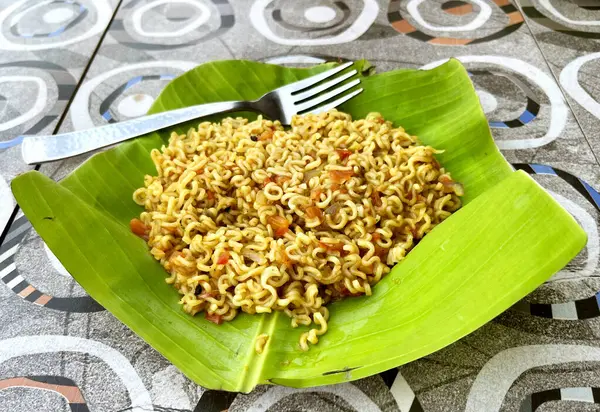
x,y
119,32
22,288
582,308
83,12
401,25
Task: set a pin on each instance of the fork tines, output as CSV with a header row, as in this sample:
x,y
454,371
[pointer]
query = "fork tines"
x,y
316,95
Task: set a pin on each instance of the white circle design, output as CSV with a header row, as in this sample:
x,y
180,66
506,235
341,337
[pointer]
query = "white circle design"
x,y
37,107
548,6
569,81
558,106
103,16
6,203
135,105
80,109
295,59
593,244
56,263
56,16
346,391
489,103
497,376
136,19
319,14
362,23
32,345
485,12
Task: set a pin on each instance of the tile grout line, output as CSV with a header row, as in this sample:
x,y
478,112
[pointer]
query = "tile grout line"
x,y
526,19
16,209
85,71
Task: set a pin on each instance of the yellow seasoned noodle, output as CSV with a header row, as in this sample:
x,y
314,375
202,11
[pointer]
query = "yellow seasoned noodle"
x,y
246,216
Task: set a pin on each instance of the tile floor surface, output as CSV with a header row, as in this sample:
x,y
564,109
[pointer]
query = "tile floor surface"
x,y
72,64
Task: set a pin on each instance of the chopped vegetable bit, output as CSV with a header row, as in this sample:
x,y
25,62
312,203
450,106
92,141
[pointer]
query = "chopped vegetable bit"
x,y
266,135
375,198
340,176
314,211
223,258
332,247
139,228
316,194
343,154
214,318
280,180
279,224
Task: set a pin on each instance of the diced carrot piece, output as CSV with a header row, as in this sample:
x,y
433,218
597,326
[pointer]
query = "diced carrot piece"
x,y
210,195
279,224
139,228
316,194
282,179
376,236
266,135
340,176
314,211
332,247
223,258
343,154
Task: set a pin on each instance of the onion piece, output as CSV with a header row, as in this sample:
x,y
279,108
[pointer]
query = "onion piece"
x,y
310,174
214,318
333,208
254,256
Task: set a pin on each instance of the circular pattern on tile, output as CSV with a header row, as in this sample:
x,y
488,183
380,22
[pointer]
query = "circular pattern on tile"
x,y
353,396
66,22
579,394
64,387
457,7
485,12
558,22
171,24
505,367
558,108
14,281
588,307
60,269
82,116
472,31
21,123
319,14
59,15
135,105
525,115
351,20
569,79
120,365
488,102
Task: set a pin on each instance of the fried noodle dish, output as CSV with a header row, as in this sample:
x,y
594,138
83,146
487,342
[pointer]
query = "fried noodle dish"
x,y
247,216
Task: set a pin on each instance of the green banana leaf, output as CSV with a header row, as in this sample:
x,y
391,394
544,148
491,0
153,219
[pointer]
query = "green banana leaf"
x,y
508,238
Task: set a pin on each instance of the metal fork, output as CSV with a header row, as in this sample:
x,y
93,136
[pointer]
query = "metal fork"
x,y
311,95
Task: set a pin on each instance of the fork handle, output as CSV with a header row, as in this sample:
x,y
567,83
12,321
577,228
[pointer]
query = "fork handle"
x,y
40,149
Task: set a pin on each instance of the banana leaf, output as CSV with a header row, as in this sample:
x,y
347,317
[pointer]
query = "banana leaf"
x,y
509,237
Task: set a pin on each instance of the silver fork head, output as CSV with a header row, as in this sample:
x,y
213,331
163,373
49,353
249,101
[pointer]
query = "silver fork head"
x,y
311,95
